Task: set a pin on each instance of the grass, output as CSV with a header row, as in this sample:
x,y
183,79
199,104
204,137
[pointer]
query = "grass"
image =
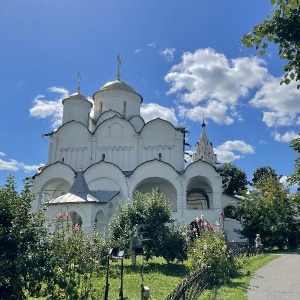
x,y
159,276
236,289
162,278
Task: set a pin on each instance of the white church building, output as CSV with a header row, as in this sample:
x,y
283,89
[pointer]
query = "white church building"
x,y
93,163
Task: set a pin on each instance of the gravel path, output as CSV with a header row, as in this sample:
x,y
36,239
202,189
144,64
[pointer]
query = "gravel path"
x,y
279,279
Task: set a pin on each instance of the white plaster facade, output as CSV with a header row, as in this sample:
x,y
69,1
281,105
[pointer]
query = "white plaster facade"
x,y
94,163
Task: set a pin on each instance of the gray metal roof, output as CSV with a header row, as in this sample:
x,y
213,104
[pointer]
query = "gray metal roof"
x,y
80,193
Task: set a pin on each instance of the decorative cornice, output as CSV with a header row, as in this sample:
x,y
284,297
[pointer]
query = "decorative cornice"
x,y
114,147
159,146
71,148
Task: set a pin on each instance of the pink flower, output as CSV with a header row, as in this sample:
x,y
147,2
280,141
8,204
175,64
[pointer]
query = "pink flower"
x,y
61,215
67,213
77,227
222,215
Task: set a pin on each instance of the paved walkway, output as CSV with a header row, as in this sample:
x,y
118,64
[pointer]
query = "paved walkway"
x,y
279,279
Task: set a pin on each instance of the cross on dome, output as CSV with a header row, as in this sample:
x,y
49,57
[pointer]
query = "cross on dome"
x,y
79,78
119,65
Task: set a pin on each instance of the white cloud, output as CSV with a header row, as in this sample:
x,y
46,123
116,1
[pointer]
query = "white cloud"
x,y
226,156
210,82
152,111
280,103
151,45
32,168
212,110
43,108
286,137
64,92
283,180
236,145
168,53
2,154
136,51
13,165
226,151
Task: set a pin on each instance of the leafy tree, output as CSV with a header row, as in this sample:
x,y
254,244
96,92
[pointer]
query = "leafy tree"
x,y
22,243
269,212
146,221
230,212
262,173
234,180
294,179
280,27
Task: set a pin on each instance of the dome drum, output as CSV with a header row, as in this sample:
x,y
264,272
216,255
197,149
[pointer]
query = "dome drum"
x,y
117,96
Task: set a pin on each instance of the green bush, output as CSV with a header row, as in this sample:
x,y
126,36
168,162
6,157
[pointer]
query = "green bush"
x,y
75,257
208,247
146,221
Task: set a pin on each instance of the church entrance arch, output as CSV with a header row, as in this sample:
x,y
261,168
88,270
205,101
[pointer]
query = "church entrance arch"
x,y
164,186
199,193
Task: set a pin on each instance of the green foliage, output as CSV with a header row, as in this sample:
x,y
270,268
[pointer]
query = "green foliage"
x,y
173,246
294,179
208,246
263,173
74,261
147,221
281,27
234,180
22,242
269,211
236,289
230,212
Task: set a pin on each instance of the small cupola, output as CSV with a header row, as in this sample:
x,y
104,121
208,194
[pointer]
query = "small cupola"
x,y
77,107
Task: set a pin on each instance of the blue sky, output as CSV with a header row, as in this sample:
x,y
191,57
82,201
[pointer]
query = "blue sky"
x,y
184,57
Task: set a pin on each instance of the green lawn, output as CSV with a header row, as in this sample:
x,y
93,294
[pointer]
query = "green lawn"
x,y
159,276
162,278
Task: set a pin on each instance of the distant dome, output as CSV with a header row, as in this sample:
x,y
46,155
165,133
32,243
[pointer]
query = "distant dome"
x,y
118,85
77,96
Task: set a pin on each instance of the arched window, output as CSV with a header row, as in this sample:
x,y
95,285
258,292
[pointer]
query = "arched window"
x,y
75,217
